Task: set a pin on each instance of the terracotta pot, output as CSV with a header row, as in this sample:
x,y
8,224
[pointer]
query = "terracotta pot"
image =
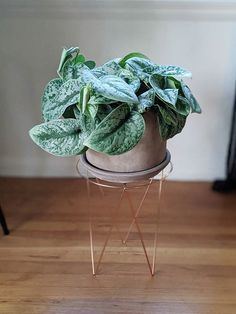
x,y
148,153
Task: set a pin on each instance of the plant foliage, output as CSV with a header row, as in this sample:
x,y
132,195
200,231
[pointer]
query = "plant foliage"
x,y
101,107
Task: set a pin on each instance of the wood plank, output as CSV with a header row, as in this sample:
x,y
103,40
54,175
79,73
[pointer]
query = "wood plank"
x,y
45,262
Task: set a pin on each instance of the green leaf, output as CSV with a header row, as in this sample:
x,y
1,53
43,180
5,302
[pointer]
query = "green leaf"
x,y
71,70
68,94
129,56
77,112
84,98
90,64
50,92
79,59
146,101
192,100
59,137
171,82
66,54
118,132
91,111
170,122
167,95
169,70
113,87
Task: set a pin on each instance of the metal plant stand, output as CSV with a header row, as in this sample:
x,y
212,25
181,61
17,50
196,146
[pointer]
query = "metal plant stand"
x,y
124,189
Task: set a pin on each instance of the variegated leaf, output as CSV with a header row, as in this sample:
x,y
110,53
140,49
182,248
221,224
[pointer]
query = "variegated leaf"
x,y
100,100
182,106
72,70
113,87
172,70
111,67
192,100
140,67
50,92
61,137
98,72
167,95
65,55
129,78
146,101
68,94
170,122
118,132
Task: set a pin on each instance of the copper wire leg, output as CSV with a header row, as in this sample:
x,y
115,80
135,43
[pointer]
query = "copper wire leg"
x,y
101,189
137,212
157,224
90,227
95,269
139,231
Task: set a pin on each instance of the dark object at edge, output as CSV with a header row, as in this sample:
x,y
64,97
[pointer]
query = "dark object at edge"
x,y
229,184
3,222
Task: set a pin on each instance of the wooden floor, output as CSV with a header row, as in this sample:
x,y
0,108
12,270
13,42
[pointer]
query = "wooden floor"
x,y
45,261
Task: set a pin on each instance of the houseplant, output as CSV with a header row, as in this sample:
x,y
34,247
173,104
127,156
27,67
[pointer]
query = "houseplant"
x,y
121,113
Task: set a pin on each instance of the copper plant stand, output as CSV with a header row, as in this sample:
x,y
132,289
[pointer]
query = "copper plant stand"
x,y
124,188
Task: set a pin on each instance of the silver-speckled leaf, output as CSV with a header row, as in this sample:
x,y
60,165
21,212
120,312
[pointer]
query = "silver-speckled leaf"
x,y
119,132
72,70
182,106
167,95
169,70
98,99
146,101
68,95
61,137
66,53
98,72
50,92
113,87
129,78
111,67
170,122
88,122
140,67
192,100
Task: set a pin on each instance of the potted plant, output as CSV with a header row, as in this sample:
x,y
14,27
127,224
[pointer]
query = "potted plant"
x,y
120,114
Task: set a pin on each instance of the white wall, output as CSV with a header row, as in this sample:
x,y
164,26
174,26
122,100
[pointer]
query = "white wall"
x,y
198,35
